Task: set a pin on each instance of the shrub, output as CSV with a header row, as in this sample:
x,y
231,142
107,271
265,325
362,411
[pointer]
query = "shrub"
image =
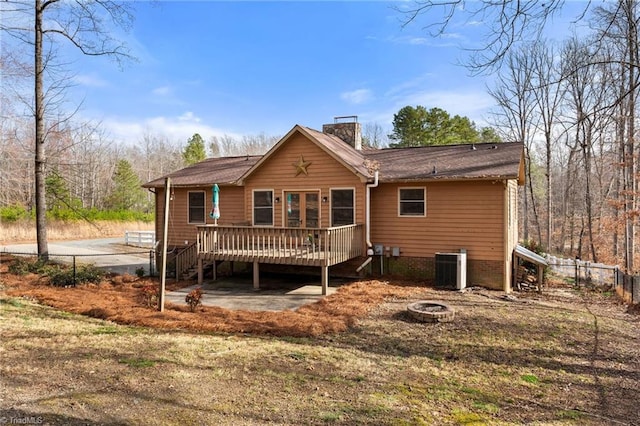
x,y
140,272
28,265
59,276
89,274
194,298
119,215
149,295
63,276
13,213
534,246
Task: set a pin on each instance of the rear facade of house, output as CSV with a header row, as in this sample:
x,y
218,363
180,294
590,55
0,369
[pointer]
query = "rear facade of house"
x,y
401,207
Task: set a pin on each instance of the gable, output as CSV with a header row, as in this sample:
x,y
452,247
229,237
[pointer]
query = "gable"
x,y
300,163
334,149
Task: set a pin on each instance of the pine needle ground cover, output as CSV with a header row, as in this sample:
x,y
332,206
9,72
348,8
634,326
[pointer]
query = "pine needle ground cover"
x,y
564,357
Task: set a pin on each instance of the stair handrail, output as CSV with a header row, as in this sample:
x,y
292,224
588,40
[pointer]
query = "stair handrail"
x,y
186,259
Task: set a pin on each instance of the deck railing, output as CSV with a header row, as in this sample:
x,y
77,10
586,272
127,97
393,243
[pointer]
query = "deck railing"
x,y
309,246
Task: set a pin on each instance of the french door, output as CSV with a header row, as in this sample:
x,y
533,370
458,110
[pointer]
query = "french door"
x,y
302,209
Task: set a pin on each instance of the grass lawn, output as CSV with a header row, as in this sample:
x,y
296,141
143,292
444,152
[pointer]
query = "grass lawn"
x,y
565,357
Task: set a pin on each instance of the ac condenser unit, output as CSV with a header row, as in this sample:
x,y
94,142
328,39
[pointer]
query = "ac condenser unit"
x,y
451,270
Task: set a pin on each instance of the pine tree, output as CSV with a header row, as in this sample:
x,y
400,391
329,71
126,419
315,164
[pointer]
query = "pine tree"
x,y
127,193
194,151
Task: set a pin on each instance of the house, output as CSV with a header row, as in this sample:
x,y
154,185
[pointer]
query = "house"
x,y
317,198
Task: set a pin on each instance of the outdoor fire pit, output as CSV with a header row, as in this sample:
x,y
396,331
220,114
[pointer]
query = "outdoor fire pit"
x,y
430,311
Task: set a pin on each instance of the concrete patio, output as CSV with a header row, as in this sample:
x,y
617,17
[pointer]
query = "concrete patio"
x,y
237,293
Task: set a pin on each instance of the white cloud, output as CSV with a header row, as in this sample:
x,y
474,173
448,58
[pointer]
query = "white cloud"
x,y
175,129
409,85
189,117
357,97
162,91
444,40
474,104
469,103
89,80
452,36
475,23
418,41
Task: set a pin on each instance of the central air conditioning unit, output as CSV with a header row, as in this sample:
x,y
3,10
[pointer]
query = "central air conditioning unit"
x,y
451,270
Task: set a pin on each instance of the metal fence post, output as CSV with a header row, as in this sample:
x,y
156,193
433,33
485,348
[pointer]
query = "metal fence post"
x,y
74,270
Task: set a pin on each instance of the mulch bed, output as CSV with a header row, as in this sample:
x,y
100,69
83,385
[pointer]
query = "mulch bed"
x,y
119,299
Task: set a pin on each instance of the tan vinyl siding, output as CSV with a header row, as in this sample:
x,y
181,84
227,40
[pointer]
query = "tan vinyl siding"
x,y
511,230
513,206
459,215
278,173
231,212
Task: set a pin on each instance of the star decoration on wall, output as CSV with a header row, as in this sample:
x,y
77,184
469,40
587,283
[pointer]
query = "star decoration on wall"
x,y
301,166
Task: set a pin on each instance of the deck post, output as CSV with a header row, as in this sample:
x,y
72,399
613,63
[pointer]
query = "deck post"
x,y
200,271
325,279
540,277
256,275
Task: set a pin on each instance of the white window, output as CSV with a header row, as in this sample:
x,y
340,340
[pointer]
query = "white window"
x,y
412,201
196,207
263,207
342,207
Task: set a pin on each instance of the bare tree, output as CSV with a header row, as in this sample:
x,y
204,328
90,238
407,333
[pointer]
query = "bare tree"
x,y
374,136
506,23
515,117
617,30
42,24
229,146
548,95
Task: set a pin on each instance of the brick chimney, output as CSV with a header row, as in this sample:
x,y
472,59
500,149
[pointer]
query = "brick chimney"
x,y
346,128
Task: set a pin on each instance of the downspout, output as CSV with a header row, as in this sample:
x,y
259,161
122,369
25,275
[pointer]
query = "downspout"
x,y
367,223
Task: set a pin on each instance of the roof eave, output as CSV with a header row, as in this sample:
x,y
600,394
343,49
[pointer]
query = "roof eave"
x,y
449,179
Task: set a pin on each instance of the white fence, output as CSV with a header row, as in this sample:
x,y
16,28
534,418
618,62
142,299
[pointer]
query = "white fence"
x,y
583,271
140,238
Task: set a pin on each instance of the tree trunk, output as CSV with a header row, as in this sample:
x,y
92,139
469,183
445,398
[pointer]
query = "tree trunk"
x,y
525,203
586,155
531,194
548,177
40,160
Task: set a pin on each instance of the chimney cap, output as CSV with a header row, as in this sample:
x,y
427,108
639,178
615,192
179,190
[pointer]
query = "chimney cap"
x,y
346,119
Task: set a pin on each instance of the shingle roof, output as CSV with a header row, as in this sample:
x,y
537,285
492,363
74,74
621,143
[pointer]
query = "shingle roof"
x,y
341,149
222,170
479,161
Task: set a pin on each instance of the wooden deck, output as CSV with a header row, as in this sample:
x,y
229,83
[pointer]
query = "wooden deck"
x,y
322,247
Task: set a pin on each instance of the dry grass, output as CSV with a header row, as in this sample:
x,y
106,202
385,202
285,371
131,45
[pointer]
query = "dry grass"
x,y
566,357
25,231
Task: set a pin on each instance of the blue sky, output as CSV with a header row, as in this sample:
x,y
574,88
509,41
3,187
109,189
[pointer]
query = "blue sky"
x,y
249,67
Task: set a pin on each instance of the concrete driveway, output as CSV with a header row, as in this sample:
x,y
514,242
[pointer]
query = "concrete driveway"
x,y
107,253
237,293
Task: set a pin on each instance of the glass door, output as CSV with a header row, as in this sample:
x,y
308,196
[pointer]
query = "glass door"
x,y
303,209
311,210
